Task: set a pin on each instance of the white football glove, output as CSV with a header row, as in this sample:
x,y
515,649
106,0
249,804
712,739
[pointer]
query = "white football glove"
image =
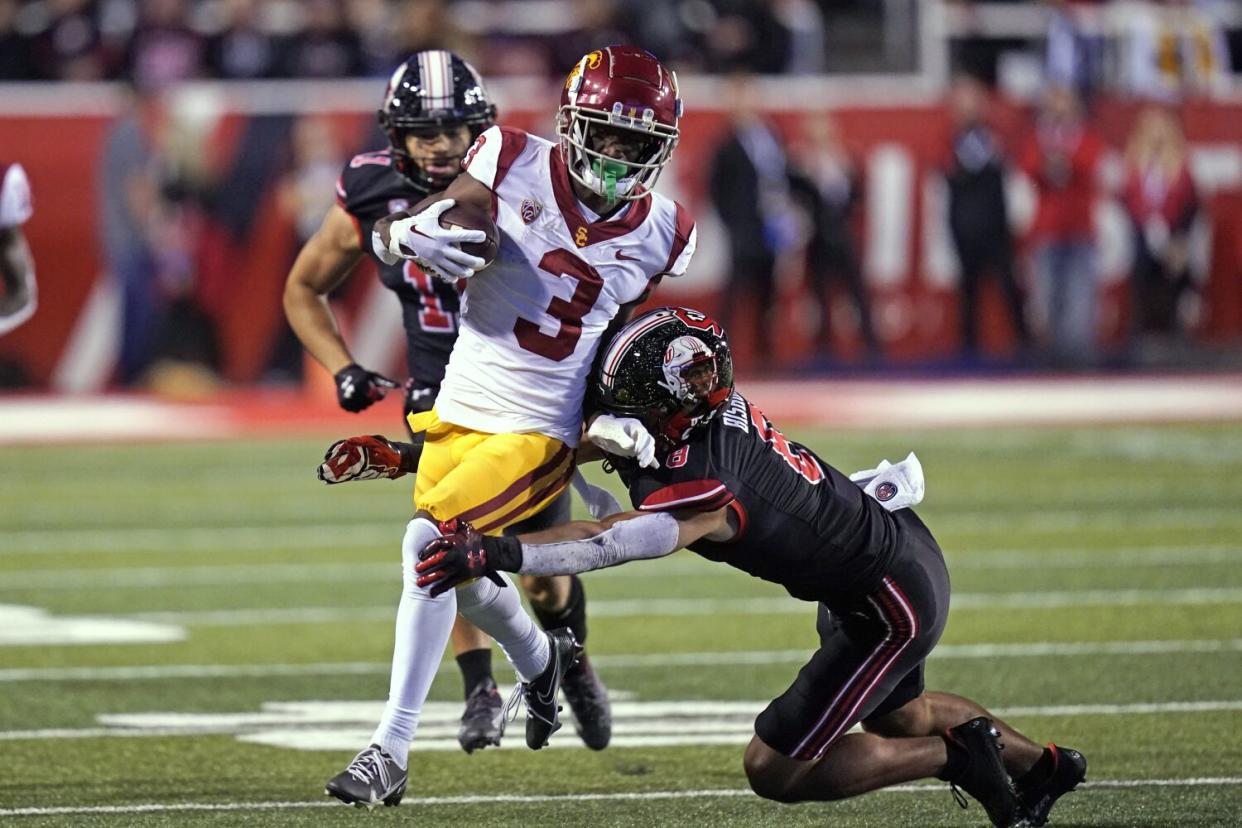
x,y
435,248
624,437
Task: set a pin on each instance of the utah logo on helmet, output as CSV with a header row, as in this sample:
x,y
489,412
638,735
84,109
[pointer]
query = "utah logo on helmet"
x,y
670,367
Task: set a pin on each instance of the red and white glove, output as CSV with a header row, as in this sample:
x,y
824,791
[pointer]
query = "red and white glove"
x,y
360,458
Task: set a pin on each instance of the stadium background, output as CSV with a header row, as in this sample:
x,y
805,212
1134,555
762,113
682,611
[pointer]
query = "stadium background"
x,y
240,237
1096,556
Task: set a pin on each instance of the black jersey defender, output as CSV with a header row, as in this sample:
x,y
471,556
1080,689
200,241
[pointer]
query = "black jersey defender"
x,y
370,188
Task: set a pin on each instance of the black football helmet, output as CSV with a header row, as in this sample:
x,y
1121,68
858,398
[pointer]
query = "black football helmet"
x,y
434,88
671,368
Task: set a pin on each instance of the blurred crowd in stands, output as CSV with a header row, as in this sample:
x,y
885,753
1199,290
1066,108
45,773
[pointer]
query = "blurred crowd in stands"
x,y
173,231
1156,54
162,41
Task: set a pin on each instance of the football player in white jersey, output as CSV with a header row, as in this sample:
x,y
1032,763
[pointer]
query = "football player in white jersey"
x,y
583,241
17,276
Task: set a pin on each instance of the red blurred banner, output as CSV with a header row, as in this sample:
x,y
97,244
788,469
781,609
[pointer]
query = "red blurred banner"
x,y
240,270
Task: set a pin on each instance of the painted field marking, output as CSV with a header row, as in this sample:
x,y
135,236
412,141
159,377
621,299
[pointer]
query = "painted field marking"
x,y
22,626
518,799
343,725
1032,518
628,608
1035,649
52,578
198,538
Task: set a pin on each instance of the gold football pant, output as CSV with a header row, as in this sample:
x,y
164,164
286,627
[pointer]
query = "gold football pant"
x,y
490,480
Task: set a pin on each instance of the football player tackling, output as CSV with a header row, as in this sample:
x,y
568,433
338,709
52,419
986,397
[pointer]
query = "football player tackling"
x,y
583,240
732,488
434,107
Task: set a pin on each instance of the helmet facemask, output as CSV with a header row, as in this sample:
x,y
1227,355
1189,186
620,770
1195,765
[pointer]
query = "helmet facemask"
x,y
614,179
692,379
411,167
432,91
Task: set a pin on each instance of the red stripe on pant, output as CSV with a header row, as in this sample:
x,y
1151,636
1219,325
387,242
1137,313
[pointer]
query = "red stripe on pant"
x,y
546,492
903,628
515,488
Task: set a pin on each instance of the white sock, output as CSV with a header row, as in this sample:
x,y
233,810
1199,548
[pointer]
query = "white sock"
x,y
423,627
499,613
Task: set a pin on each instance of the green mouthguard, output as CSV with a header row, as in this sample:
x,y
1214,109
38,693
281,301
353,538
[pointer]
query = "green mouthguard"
x,y
610,171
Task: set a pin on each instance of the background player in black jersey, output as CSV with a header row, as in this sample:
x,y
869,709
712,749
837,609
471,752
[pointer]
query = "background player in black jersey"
x,y
18,292
434,107
732,488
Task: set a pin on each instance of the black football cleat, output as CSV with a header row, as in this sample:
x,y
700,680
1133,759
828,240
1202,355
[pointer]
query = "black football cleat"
x,y
483,723
373,777
542,710
982,772
1069,768
588,701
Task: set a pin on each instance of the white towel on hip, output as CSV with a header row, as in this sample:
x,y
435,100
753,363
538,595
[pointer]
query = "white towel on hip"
x,y
894,485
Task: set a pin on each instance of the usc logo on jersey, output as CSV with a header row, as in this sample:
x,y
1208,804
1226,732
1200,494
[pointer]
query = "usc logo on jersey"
x,y
580,237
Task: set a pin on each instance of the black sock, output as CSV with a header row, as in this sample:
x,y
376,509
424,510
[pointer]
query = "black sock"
x,y
957,762
476,668
1040,771
572,615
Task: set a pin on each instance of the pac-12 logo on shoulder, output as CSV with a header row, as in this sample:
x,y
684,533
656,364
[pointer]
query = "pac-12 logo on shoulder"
x,y
530,210
885,492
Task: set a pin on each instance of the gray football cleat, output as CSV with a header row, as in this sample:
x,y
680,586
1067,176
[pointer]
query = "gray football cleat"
x,y
483,723
373,777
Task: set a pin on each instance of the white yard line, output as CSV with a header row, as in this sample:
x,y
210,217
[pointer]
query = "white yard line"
x,y
1036,649
52,578
483,799
198,538
1048,519
684,607
329,725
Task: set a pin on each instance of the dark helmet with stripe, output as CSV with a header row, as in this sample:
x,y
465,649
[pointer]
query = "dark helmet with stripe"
x,y
434,88
671,368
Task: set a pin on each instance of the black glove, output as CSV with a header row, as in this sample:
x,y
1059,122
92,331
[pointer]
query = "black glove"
x,y
463,555
357,388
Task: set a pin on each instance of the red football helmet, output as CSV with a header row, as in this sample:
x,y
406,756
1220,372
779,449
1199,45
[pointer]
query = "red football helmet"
x,y
618,87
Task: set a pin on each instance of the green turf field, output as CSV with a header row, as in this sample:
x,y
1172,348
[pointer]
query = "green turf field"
x,y
1097,601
